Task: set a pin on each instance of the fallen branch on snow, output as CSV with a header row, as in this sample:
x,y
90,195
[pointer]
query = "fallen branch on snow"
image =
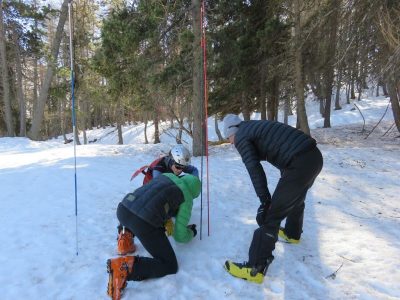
x,y
347,258
363,129
333,275
378,121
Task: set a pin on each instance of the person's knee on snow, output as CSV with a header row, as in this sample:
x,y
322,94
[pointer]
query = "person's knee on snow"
x,y
145,212
172,267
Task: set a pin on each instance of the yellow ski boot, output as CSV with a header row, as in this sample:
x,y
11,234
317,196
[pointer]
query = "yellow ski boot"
x,y
287,239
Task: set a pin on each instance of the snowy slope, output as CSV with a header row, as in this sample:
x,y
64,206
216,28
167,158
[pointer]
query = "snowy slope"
x,y
351,223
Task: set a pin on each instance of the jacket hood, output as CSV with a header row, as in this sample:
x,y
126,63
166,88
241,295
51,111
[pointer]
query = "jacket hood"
x,y
189,184
193,184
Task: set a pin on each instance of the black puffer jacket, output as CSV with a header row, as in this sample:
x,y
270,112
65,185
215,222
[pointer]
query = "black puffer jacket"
x,y
272,141
156,201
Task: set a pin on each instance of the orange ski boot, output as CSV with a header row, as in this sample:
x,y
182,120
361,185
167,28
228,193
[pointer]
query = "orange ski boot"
x,y
118,270
125,242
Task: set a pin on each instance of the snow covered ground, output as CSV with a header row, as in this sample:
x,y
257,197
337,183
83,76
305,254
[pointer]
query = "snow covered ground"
x,y
350,247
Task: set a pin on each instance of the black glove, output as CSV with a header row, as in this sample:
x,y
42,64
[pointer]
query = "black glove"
x,y
192,227
266,198
262,212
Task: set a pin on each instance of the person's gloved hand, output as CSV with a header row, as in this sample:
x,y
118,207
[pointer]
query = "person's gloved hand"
x,y
169,227
192,227
262,212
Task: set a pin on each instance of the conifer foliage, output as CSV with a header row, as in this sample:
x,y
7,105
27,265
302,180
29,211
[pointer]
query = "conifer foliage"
x,y
141,61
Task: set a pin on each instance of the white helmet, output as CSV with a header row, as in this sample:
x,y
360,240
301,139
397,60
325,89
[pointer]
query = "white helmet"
x,y
180,155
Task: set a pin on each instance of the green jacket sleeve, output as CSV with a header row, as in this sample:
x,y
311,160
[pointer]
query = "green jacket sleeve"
x,y
182,234
190,186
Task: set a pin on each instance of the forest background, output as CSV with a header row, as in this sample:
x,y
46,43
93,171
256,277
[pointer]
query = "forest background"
x,y
142,61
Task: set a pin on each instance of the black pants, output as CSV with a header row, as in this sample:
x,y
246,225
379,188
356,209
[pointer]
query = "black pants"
x,y
155,242
287,202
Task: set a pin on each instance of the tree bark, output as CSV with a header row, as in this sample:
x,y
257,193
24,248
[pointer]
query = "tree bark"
x,y
301,107
34,132
35,71
273,99
385,91
348,93
322,107
352,94
338,86
5,77
198,103
330,59
263,104
156,128
119,118
286,110
245,106
395,100
217,131
63,119
146,141
20,92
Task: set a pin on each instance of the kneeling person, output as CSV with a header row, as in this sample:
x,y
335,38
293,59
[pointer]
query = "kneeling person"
x,y
145,213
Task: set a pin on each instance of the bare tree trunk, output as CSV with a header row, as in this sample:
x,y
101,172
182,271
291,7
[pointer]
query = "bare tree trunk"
x,y
76,136
85,140
352,94
330,58
245,106
119,118
273,100
359,90
35,71
348,93
217,131
199,136
385,91
322,107
103,120
146,141
156,128
5,77
179,116
338,86
83,119
394,94
20,92
301,107
63,120
263,104
178,137
286,110
34,132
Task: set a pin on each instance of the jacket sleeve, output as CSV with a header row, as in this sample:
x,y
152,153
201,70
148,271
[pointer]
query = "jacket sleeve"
x,y
191,170
182,234
250,158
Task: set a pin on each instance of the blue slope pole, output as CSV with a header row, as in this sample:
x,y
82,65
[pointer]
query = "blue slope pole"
x,y
71,54
201,129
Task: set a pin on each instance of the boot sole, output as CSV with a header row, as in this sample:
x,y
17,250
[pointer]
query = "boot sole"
x,y
110,289
227,269
110,279
282,237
